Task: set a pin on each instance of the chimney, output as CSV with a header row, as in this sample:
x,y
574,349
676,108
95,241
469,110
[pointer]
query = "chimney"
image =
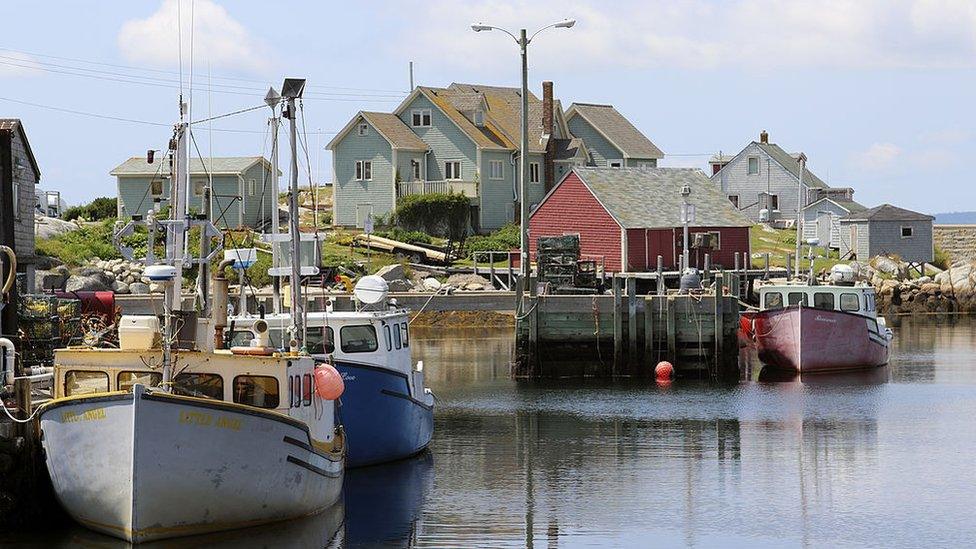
x,y
550,165
764,137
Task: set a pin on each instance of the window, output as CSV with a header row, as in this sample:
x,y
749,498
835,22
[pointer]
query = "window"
x,y
397,337
479,118
773,300
823,300
199,186
387,338
420,117
307,389
239,338
364,170
797,298
156,187
78,382
315,342
260,391
615,163
127,379
907,232
15,193
849,302
753,165
496,169
362,129
452,170
358,339
734,199
252,187
415,169
404,328
774,202
533,172
199,385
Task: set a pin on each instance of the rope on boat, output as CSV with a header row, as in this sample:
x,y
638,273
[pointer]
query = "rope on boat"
x,y
15,420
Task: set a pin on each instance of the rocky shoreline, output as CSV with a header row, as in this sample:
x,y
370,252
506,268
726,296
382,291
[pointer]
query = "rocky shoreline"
x,y
950,291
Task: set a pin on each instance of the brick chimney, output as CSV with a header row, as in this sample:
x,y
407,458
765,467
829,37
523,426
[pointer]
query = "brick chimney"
x,y
550,156
764,137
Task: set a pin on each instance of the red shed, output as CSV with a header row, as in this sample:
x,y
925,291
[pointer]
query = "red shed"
x,y
629,216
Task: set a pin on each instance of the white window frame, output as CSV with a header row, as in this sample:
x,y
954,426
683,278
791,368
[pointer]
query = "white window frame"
x,y
364,170
612,161
749,165
492,173
252,187
534,172
479,118
362,129
15,193
421,113
911,231
452,170
415,170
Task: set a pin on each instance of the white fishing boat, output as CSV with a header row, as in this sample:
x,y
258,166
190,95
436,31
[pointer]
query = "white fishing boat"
x,y
171,435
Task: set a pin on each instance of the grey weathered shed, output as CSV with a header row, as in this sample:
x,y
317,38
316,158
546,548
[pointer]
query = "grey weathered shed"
x,y
821,220
888,230
19,174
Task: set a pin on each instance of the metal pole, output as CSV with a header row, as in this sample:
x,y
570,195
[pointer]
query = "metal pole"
x,y
524,151
297,307
799,213
684,249
275,225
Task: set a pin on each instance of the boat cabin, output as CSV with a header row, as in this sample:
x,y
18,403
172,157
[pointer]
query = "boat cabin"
x,y
858,300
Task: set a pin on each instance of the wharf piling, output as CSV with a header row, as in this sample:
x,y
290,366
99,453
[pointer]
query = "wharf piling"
x,y
626,334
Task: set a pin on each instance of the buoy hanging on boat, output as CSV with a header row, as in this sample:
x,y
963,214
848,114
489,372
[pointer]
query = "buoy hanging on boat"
x,y
664,371
328,382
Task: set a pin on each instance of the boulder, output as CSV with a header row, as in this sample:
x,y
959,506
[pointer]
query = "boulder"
x,y
888,287
886,265
391,272
50,227
462,280
474,287
155,288
49,280
432,284
96,281
931,288
138,288
120,287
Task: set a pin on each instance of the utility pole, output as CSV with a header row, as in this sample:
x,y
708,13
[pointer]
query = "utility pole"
x,y
524,167
292,90
799,212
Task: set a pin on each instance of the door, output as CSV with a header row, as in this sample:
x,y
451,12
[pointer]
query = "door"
x,y
824,221
363,211
853,242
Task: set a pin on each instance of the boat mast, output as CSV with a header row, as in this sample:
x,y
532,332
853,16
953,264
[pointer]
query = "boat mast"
x,y
175,239
292,89
272,98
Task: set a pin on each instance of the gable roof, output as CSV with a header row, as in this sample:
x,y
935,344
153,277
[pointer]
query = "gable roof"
x,y
222,165
569,149
791,164
484,137
14,124
617,129
887,212
849,205
624,193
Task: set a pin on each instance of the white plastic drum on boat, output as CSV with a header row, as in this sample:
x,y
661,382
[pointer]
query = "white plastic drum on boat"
x,y
842,274
371,289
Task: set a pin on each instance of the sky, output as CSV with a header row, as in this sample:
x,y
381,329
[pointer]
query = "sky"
x,y
877,93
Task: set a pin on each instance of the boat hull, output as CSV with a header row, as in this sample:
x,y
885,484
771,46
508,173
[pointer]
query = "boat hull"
x,y
383,419
810,340
144,465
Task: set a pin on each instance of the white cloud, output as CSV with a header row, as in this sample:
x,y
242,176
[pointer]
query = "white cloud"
x,y
703,34
14,63
218,38
879,157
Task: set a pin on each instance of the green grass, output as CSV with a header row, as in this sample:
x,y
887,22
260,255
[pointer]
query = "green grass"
x,y
780,242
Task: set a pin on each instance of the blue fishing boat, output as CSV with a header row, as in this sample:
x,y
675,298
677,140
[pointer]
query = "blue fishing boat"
x,y
386,410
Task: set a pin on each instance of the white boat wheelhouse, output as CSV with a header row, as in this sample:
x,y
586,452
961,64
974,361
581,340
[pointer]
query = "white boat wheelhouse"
x,y
859,300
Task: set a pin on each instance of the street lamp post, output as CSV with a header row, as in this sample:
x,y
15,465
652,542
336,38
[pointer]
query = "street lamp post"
x,y
523,44
686,215
800,200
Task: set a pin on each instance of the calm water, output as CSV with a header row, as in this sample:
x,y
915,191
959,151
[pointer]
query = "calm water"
x,y
881,459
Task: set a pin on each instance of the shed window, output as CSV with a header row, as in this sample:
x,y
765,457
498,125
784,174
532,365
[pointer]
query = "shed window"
x,y
364,170
363,129
358,339
78,382
797,298
15,193
753,165
823,300
452,170
907,232
773,300
774,202
420,117
849,302
127,379
156,187
252,187
533,172
260,391
318,345
199,385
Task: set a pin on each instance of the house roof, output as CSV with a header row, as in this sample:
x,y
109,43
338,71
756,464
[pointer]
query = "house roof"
x,y
626,194
617,129
234,165
394,130
14,124
849,205
791,163
720,158
568,149
887,212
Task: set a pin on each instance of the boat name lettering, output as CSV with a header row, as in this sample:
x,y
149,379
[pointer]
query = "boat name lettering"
x,y
94,414
206,420
822,319
347,377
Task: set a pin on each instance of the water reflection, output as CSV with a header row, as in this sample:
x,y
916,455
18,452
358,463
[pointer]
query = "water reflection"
x,y
384,502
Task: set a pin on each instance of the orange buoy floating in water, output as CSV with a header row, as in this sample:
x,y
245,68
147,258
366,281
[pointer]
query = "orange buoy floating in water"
x,y
664,371
328,382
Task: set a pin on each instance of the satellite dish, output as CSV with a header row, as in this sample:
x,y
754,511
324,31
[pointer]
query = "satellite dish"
x,y
371,289
160,273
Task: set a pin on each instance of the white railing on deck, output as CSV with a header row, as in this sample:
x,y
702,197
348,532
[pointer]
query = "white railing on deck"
x,y
467,188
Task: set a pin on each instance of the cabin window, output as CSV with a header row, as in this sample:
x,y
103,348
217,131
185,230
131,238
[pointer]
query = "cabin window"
x,y
533,172
496,169
127,379
364,170
306,389
773,300
363,129
199,385
452,170
397,338
260,391
823,300
415,168
420,118
849,302
406,334
358,339
316,343
753,165
240,338
907,232
734,199
386,337
797,298
156,187
79,382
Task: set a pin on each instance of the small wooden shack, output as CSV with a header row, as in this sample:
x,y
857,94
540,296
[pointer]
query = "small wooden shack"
x,y
888,230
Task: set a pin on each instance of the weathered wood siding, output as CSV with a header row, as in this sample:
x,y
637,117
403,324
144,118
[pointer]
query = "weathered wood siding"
x,y
447,142
854,247
572,209
829,236
885,238
599,148
26,183
258,207
497,196
135,198
735,179
644,245
351,195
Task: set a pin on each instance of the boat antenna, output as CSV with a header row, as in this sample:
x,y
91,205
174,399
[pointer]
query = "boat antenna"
x,y
291,90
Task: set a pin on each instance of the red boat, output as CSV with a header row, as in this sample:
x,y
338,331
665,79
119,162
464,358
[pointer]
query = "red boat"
x,y
807,328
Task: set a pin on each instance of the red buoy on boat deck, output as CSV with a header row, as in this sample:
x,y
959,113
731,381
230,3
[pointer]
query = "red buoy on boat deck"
x,y
664,371
328,382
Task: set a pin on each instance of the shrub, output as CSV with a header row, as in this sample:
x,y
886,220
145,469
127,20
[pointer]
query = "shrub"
x,y
256,275
504,239
446,215
942,259
77,247
403,235
96,210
